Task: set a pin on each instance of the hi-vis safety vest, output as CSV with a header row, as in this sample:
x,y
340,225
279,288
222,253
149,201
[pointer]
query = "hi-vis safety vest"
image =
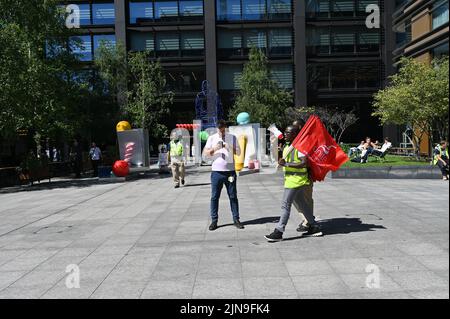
x,y
441,153
294,177
176,149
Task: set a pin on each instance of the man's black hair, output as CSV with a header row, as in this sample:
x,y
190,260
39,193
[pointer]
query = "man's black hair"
x,y
222,124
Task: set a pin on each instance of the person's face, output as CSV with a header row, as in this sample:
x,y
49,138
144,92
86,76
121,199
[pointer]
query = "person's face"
x,y
444,145
222,130
94,145
289,134
368,140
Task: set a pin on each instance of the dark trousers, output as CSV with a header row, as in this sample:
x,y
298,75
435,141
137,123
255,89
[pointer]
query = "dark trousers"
x,y
218,179
444,168
77,167
95,164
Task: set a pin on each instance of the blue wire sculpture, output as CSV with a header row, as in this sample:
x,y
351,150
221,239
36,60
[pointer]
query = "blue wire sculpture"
x,y
208,107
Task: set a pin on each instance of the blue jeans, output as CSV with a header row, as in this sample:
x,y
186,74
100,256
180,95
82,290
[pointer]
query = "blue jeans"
x,y
218,179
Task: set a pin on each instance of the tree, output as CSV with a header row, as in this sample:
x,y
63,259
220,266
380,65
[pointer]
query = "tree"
x,y
418,97
147,98
260,95
335,120
140,81
37,91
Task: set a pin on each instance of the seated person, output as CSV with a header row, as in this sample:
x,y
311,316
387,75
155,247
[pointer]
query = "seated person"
x,y
380,152
357,149
368,147
441,159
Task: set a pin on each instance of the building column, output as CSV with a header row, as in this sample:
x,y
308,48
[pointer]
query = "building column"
x,y
121,37
210,44
392,131
301,94
389,39
121,21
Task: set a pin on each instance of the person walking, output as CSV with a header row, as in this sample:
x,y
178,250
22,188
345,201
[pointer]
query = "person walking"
x,y
298,190
441,159
177,161
76,156
96,155
222,147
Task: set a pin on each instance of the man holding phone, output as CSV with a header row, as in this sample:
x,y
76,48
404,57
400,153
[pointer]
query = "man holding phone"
x,y
222,147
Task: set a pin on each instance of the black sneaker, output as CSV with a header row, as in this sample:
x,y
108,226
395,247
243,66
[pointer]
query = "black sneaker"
x,y
238,225
183,182
303,227
213,226
313,231
276,236
177,186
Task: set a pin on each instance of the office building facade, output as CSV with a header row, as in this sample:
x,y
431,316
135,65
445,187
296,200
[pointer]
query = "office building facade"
x,y
321,50
422,32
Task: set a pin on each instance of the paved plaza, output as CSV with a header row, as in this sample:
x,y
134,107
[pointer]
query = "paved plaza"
x,y
144,239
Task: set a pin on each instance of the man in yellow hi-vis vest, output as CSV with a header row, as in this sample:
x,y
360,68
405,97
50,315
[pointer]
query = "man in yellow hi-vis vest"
x,y
298,189
177,161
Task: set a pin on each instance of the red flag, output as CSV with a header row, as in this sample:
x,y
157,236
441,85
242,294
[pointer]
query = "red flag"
x,y
322,151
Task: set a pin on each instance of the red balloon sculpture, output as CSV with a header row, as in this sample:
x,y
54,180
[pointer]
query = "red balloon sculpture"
x,y
121,169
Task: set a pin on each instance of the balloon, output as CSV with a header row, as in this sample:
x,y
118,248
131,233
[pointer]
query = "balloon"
x,y
121,169
243,118
123,126
204,136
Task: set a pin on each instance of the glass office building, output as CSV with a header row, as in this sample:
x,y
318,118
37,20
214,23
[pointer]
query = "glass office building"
x,y
321,50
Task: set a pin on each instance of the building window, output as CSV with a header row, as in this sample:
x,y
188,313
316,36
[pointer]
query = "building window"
x,y
229,10
283,75
237,43
368,42
254,9
85,14
368,76
142,41
343,8
440,51
280,42
167,44
185,80
192,43
166,10
235,10
254,38
160,10
103,13
191,8
279,9
108,40
81,47
229,43
440,14
343,42
141,11
230,77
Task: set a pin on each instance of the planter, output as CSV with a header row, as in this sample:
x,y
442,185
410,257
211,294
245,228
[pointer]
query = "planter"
x,y
389,172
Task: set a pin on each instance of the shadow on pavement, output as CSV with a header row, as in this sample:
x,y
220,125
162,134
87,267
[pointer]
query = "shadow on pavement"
x,y
262,221
338,226
197,185
79,183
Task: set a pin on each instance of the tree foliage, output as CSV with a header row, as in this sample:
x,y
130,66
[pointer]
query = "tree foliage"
x,y
336,120
37,93
260,95
418,97
142,84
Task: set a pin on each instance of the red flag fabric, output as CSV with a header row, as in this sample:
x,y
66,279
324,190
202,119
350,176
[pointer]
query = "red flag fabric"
x,y
322,151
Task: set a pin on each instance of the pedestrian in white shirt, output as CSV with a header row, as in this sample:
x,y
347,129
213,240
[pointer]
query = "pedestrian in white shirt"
x,y
222,147
96,156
